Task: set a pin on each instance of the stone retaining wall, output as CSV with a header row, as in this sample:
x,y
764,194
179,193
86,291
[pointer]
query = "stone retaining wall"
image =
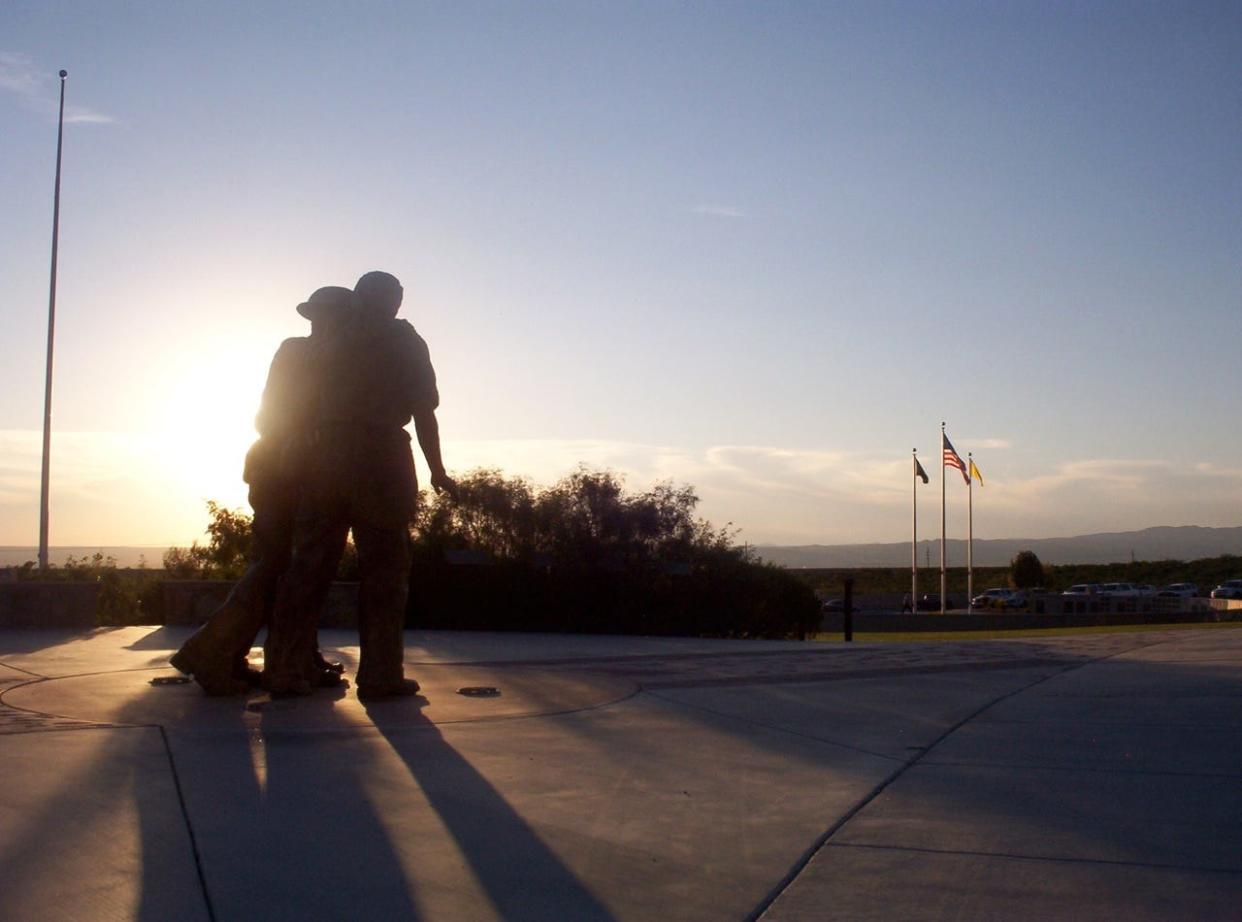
x,y
192,602
38,603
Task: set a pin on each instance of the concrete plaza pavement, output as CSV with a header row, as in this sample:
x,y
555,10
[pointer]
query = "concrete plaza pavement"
x,y
1098,776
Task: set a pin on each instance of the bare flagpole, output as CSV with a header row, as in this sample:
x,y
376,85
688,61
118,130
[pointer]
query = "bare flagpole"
x,y
970,529
914,540
51,332
943,576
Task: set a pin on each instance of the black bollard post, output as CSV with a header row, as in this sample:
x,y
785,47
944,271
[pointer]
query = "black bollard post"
x,y
847,609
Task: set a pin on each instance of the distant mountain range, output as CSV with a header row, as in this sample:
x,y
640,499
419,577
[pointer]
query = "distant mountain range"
x,y
1188,542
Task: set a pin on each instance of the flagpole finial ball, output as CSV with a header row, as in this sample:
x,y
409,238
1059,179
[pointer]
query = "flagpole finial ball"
x,y
64,74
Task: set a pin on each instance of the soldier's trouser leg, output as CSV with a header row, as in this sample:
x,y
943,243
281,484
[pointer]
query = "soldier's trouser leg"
x,y
273,542
318,542
219,648
232,627
384,565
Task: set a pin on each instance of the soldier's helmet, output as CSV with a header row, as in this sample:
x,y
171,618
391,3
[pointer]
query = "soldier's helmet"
x,y
328,303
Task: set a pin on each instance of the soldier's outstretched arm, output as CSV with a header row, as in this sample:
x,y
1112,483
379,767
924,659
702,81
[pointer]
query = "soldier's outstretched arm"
x,y
428,430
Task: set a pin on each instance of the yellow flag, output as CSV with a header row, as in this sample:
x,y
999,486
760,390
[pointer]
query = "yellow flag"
x,y
974,473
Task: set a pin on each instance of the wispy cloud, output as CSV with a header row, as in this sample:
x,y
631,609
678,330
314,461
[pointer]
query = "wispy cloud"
x,y
84,464
18,74
36,88
718,211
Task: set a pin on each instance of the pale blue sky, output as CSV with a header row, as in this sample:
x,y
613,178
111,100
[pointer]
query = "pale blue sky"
x,y
762,248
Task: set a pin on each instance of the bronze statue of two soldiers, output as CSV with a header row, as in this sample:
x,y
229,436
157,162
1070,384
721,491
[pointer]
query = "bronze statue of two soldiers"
x,y
333,456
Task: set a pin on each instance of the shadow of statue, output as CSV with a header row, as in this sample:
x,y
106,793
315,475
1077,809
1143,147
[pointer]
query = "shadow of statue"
x,y
522,876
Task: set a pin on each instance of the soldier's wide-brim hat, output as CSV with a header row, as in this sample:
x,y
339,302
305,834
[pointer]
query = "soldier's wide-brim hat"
x,y
331,300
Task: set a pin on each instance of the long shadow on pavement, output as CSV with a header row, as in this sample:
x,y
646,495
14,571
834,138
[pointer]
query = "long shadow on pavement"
x,y
523,877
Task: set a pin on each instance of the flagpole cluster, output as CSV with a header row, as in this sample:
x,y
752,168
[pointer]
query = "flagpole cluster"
x,y
949,458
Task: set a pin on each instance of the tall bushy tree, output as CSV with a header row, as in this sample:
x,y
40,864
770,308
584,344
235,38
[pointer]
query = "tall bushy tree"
x,y
1026,571
586,518
492,514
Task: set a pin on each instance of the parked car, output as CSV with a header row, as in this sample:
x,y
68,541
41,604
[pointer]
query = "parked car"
x,y
1146,590
834,605
1229,589
1179,591
1018,599
1082,589
992,598
1119,590
931,602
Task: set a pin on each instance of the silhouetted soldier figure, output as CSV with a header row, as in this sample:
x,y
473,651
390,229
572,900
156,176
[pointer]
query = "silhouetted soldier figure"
x,y
360,475
216,654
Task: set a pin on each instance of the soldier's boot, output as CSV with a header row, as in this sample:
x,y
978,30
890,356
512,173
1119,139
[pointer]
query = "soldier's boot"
x,y
328,665
402,688
211,669
243,671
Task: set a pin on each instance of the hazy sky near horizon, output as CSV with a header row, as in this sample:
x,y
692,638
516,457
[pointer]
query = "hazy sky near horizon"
x,y
761,248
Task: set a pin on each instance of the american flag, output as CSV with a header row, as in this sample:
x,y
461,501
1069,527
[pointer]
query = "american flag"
x,y
953,459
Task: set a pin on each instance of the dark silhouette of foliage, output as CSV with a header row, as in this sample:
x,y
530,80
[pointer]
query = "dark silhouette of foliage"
x,y
225,555
126,595
585,555
581,555
227,552
1026,571
586,518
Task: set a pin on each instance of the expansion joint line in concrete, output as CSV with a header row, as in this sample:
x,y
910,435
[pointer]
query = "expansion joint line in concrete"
x,y
819,844
78,724
1076,769
1060,859
34,675
189,827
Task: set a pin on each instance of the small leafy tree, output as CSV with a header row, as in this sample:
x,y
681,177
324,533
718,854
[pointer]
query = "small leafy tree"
x,y
1026,571
224,557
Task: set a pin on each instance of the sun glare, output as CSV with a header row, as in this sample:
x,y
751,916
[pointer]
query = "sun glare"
x,y
206,423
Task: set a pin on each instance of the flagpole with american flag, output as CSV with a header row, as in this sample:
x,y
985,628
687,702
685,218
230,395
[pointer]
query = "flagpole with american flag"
x,y
949,458
919,473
